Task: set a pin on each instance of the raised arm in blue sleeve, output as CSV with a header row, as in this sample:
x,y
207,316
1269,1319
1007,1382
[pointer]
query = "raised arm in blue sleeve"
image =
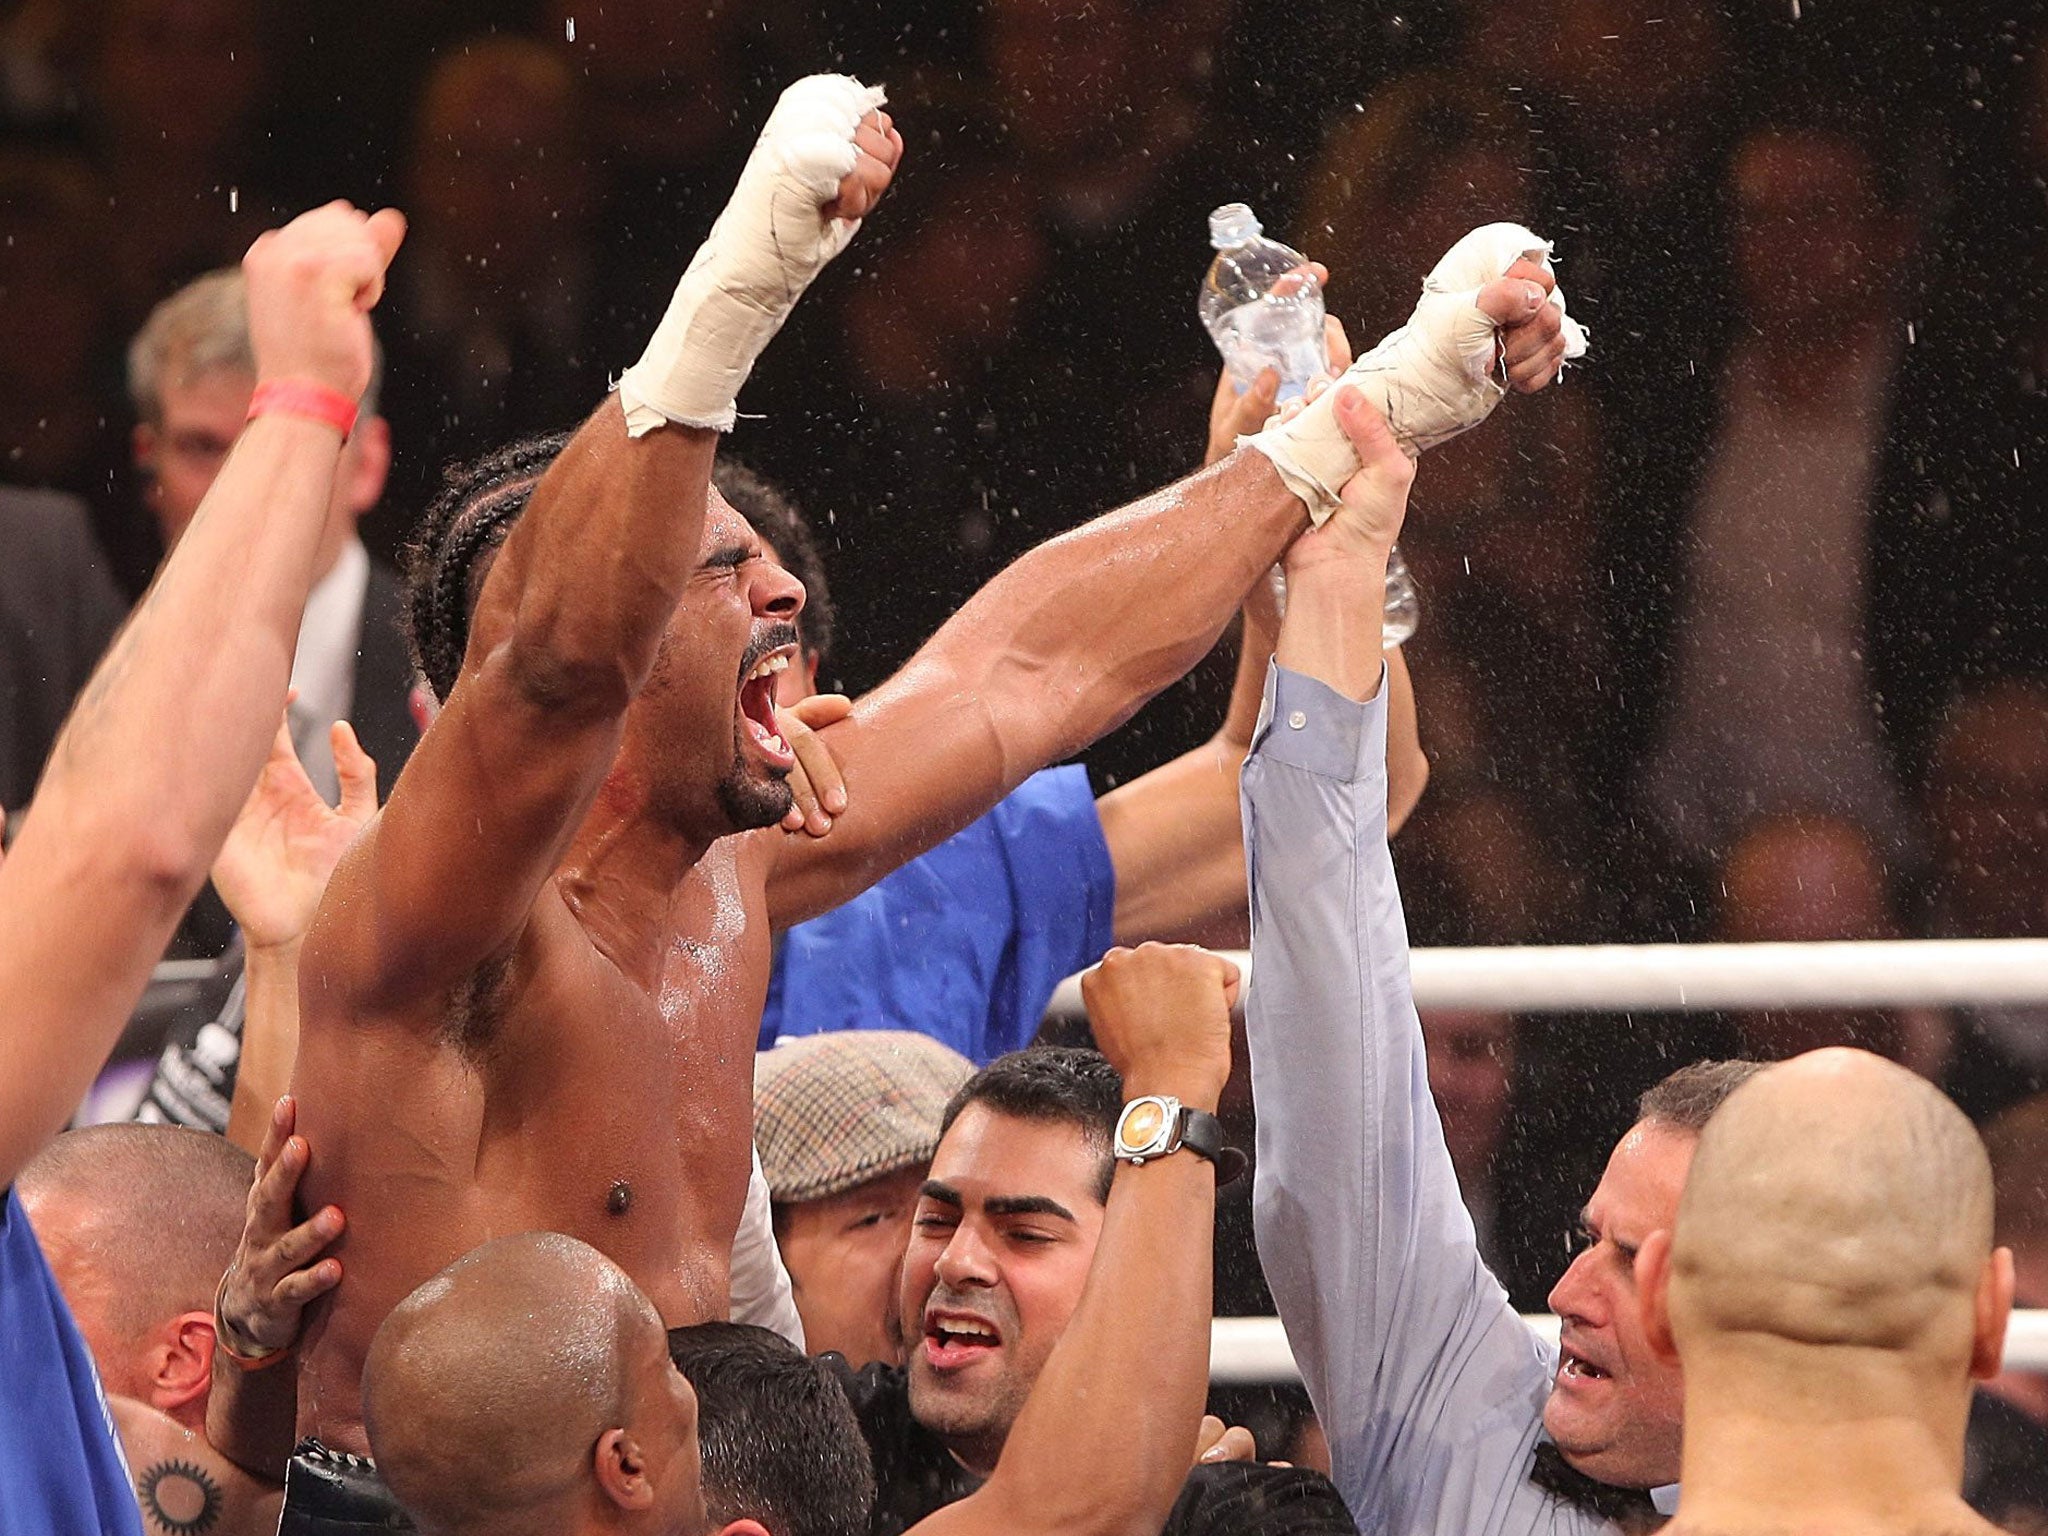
x,y
1428,1385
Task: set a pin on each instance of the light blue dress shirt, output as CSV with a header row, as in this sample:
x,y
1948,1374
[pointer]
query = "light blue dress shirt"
x,y
1429,1386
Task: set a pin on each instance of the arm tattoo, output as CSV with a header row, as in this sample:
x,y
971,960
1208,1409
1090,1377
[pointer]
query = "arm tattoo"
x,y
178,1498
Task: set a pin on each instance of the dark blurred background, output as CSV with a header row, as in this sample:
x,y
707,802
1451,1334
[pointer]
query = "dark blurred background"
x,y
1738,633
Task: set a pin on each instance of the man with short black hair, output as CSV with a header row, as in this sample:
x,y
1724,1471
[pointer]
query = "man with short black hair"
x,y
529,1386
777,1436
1001,1250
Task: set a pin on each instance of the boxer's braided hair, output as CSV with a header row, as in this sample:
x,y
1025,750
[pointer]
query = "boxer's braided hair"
x,y
478,504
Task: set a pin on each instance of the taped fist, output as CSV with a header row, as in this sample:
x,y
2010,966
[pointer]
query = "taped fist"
x,y
824,158
1490,309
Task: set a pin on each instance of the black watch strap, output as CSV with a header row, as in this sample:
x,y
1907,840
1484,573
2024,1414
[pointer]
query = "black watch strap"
x,y
1201,1132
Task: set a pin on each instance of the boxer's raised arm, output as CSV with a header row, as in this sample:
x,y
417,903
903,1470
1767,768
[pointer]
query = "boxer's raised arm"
x,y
165,741
1070,640
573,612
1059,648
564,635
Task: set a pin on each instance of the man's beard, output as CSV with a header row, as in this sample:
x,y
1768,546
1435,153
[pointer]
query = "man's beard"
x,y
749,800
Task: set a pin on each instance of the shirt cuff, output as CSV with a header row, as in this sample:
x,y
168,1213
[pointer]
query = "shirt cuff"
x,y
1307,724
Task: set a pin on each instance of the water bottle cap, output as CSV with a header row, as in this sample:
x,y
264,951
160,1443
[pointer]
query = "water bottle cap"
x,y
1232,225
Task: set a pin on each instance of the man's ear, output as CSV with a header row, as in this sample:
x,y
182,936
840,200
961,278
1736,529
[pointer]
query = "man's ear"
x,y
743,1528
1653,1289
622,1470
1994,1311
180,1363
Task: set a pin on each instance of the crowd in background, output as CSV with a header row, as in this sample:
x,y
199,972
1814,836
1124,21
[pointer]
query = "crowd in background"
x,y
1742,633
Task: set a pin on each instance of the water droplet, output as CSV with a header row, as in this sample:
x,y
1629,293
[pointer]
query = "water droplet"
x,y
569,27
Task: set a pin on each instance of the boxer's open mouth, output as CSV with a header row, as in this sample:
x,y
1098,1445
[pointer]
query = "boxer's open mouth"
x,y
757,701
1572,1366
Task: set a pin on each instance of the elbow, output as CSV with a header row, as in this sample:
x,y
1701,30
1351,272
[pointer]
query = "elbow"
x,y
565,682
150,858
1404,790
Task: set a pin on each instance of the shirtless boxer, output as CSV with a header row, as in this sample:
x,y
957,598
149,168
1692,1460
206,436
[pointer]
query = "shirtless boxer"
x,y
530,998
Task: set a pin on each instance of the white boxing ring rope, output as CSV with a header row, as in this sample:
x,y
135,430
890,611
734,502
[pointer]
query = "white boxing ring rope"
x,y
1252,1351
1658,978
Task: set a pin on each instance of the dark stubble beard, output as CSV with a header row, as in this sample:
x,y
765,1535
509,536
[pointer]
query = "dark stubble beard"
x,y
749,800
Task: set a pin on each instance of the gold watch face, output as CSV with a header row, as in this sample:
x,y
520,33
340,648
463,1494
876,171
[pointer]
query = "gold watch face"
x,y
1143,1124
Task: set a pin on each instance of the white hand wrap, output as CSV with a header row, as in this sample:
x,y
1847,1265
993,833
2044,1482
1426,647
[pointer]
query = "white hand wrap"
x,y
1431,379
772,239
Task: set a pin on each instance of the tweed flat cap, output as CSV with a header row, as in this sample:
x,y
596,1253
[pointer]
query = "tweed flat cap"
x,y
835,1110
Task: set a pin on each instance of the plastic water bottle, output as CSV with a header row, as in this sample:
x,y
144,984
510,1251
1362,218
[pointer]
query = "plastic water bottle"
x,y
1261,305
1403,612
1404,603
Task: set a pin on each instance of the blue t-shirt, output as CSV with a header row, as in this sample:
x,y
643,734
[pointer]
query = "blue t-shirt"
x,y
967,943
61,1468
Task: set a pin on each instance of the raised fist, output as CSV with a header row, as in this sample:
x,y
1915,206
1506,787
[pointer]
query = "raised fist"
x,y
825,155
1161,1014
312,285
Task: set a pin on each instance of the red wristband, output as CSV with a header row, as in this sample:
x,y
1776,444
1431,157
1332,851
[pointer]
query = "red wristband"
x,y
224,1341
303,397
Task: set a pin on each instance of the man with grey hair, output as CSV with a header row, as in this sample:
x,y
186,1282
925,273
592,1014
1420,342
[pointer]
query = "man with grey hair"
x,y
1443,1411
190,376
1832,1287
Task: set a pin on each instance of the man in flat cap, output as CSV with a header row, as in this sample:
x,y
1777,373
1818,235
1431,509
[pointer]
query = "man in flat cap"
x,y
845,1125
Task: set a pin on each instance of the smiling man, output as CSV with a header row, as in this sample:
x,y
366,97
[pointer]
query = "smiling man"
x,y
1001,1247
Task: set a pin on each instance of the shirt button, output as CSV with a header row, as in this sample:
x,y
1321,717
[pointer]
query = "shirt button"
x,y
1297,720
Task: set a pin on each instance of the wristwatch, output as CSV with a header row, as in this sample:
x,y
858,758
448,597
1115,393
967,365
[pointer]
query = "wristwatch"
x,y
1158,1125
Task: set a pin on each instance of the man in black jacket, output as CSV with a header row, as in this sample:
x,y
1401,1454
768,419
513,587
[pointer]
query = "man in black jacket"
x,y
58,610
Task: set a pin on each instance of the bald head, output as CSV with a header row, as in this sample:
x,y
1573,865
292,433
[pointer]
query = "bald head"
x,y
1835,1199
503,1392
139,1222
